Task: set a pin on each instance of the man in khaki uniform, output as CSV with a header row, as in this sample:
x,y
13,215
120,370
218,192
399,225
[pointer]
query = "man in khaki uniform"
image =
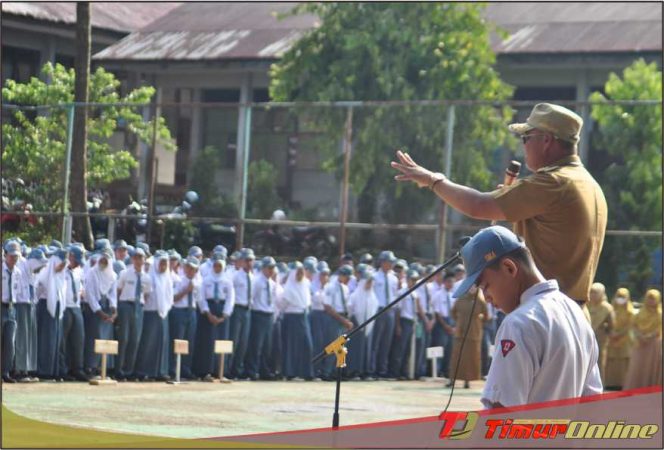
x,y
559,210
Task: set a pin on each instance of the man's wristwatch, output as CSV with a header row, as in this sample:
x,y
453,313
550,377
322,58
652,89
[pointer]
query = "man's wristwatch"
x,y
436,178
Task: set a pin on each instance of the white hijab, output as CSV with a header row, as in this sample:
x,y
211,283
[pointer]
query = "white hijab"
x,y
104,279
54,284
297,292
364,303
162,287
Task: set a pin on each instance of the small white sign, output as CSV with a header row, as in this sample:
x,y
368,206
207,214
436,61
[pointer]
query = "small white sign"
x,y
435,352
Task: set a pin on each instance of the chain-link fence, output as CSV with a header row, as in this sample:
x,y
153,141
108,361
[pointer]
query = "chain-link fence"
x,y
324,165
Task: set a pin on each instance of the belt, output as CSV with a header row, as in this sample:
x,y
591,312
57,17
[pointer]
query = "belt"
x,y
261,312
211,300
408,319
7,305
130,301
242,306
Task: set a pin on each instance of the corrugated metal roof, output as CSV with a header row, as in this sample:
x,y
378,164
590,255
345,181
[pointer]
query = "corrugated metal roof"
x,y
214,31
117,16
577,27
199,31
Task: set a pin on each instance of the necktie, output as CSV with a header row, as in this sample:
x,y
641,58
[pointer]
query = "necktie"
x,y
449,309
387,289
73,287
11,291
139,288
248,289
216,290
269,294
190,299
343,299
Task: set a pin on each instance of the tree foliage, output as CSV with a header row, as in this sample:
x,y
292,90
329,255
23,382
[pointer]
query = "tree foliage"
x,y
393,51
35,143
631,135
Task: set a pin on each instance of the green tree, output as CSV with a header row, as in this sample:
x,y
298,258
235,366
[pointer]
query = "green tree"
x,y
34,144
393,51
631,135
262,197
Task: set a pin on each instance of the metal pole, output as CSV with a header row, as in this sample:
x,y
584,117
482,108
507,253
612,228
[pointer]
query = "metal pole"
x,y
153,170
245,175
348,138
448,171
66,226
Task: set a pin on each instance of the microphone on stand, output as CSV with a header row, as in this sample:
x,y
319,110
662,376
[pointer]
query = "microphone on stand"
x,y
511,174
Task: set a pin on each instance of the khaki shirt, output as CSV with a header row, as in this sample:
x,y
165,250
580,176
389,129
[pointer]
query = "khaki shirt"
x,y
560,211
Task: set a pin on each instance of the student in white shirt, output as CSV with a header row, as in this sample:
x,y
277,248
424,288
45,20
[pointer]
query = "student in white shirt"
x,y
318,319
182,317
297,346
362,304
263,298
101,297
336,306
408,311
546,349
155,346
133,288
386,285
49,315
11,290
424,328
241,318
215,304
73,331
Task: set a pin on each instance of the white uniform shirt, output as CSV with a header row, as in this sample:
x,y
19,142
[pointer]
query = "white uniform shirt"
x,y
16,288
425,294
127,282
336,296
407,308
182,285
545,350
443,302
383,294
263,294
241,285
318,298
225,292
73,292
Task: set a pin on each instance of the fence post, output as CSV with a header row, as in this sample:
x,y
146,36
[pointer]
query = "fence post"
x,y
348,144
66,219
245,174
442,226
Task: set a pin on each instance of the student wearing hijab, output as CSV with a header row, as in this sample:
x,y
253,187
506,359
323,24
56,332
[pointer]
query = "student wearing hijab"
x,y
318,319
336,306
215,306
620,340
602,320
263,301
133,287
408,311
11,291
154,348
362,304
645,364
49,315
101,295
297,343
73,331
25,361
89,322
182,317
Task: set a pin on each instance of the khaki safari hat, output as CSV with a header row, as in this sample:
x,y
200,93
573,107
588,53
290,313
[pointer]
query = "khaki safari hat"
x,y
561,122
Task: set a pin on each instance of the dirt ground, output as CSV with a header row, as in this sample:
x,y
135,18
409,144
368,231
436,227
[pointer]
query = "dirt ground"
x,y
199,409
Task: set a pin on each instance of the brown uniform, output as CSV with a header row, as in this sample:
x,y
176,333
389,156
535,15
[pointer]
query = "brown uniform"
x,y
561,213
602,320
470,363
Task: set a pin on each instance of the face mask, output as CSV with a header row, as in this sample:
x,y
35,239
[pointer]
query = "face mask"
x,y
621,300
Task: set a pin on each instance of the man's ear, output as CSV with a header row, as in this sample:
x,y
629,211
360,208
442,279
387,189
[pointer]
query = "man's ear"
x,y
510,267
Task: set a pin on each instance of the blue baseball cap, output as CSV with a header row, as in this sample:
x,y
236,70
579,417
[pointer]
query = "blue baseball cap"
x,y
120,243
387,255
220,249
195,251
37,254
345,270
268,261
78,254
13,248
118,266
247,253
484,248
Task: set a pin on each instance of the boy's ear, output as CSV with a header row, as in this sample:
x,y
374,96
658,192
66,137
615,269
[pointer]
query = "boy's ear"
x,y
510,266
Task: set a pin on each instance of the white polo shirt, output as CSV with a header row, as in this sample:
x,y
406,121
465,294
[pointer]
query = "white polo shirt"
x,y
545,350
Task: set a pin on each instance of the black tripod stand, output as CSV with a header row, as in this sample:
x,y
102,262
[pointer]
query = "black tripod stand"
x,y
338,346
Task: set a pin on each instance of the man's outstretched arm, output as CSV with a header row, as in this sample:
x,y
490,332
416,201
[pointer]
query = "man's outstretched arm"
x,y
469,201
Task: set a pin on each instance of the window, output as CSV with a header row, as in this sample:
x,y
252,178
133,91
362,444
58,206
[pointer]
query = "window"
x,y
220,123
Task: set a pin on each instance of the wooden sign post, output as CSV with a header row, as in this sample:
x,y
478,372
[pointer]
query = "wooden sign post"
x,y
105,347
433,353
180,347
222,348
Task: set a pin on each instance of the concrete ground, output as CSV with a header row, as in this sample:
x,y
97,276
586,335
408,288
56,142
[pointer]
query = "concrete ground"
x,y
199,409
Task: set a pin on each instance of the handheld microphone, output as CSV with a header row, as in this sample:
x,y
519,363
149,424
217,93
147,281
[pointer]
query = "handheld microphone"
x,y
511,174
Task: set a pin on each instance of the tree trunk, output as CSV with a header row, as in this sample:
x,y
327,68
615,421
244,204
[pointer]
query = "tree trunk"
x,y
78,184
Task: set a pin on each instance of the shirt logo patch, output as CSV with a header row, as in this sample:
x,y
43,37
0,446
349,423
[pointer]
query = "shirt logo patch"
x,y
506,345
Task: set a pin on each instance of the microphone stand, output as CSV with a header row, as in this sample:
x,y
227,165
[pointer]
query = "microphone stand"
x,y
338,347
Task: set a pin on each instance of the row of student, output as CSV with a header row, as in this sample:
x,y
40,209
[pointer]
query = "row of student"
x,y
61,300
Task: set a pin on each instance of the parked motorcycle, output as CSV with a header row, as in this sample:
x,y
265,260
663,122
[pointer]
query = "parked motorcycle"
x,y
302,242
